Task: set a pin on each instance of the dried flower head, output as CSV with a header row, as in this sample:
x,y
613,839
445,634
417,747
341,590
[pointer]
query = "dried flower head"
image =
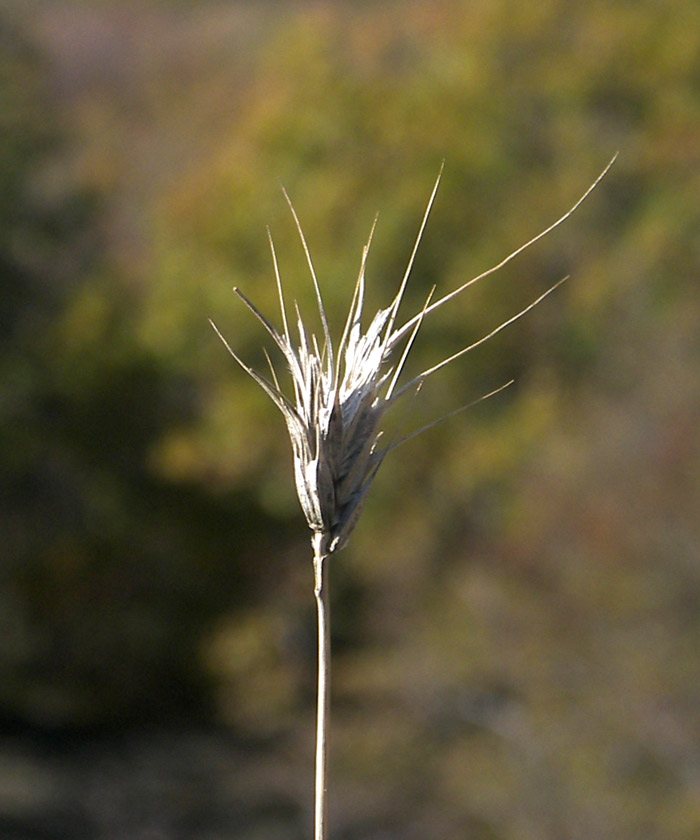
x,y
341,396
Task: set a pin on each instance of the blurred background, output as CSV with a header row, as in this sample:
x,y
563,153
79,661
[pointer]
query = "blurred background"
x,y
516,620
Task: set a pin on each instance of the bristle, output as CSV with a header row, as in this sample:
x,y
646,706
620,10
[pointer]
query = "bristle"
x,y
430,371
398,334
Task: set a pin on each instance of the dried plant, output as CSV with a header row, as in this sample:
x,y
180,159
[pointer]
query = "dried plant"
x,y
334,418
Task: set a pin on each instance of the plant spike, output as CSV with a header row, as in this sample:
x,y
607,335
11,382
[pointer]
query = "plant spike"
x,y
333,425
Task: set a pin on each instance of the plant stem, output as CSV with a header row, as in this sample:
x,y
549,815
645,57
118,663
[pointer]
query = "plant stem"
x,y
324,684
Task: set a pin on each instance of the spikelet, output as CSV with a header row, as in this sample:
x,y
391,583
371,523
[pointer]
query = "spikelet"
x,y
340,398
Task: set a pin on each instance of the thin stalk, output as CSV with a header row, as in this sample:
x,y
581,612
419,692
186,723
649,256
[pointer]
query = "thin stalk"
x,y
324,685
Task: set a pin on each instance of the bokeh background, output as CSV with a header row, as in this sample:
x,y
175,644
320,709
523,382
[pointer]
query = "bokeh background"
x,y
516,619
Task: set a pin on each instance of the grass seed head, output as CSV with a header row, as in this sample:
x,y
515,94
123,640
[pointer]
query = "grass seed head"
x,y
341,394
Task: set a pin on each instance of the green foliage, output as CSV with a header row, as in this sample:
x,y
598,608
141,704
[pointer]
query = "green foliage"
x,y
517,612
109,570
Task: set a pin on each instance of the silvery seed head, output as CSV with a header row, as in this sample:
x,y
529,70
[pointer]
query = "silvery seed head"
x,y
340,396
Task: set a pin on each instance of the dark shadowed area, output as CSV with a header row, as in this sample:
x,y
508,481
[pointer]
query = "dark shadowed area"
x,y
516,620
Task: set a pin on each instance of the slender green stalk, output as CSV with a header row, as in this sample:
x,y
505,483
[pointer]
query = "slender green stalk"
x,y
324,684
